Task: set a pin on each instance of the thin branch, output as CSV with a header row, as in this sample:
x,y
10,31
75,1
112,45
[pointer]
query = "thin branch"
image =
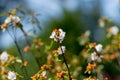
x,y
66,64
18,48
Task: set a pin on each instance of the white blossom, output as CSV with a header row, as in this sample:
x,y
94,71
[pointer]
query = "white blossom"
x,y
114,30
15,19
94,56
52,35
61,50
98,48
11,75
11,18
4,56
44,73
58,35
8,20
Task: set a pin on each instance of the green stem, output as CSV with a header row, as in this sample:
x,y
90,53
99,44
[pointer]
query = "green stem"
x,y
19,51
21,58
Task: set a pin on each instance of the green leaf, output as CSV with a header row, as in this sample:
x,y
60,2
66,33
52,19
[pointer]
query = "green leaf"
x,y
4,14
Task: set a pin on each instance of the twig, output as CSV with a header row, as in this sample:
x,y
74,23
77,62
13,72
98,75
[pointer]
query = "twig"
x,y
18,48
66,64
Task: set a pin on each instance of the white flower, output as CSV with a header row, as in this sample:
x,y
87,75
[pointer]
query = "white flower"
x,y
114,30
11,75
58,35
8,20
11,18
98,48
53,35
94,56
44,73
61,50
4,56
16,19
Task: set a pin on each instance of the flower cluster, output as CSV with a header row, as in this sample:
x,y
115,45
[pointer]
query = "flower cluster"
x,y
60,72
42,74
95,58
12,18
7,60
58,36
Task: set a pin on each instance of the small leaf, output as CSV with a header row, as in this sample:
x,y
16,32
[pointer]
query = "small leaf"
x,y
3,14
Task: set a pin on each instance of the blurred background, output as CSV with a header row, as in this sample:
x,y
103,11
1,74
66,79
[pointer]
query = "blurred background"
x,y
73,16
